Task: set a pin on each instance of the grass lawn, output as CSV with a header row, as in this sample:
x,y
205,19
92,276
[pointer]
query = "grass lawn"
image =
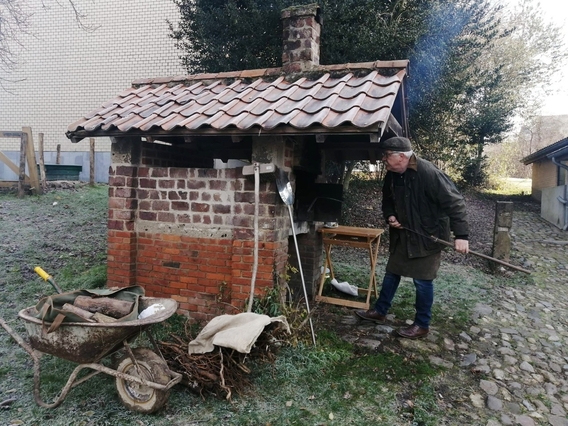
x,y
335,383
512,186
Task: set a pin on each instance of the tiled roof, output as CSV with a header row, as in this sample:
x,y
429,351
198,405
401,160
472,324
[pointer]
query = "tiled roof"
x,y
359,96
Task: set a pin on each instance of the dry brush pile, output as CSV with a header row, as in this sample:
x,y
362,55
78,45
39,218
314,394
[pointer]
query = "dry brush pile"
x,y
222,372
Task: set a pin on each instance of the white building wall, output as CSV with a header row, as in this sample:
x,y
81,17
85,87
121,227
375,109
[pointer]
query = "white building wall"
x,y
65,71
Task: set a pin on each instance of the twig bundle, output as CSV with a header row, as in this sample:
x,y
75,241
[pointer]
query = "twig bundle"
x,y
223,371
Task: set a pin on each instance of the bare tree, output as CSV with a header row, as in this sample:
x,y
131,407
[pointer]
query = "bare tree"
x,y
15,21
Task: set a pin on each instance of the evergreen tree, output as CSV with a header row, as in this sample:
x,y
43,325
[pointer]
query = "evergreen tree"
x,y
464,86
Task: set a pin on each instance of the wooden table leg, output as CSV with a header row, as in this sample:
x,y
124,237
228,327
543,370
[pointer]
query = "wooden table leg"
x,y
373,252
326,264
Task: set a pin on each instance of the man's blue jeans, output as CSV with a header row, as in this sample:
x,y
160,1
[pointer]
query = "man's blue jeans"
x,y
424,298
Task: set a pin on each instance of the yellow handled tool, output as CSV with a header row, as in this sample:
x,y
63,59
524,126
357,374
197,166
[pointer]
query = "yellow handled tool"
x,y
47,278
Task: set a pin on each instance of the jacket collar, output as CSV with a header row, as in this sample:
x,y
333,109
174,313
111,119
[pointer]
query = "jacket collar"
x,y
413,163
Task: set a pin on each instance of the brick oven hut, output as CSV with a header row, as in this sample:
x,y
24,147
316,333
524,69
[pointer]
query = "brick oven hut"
x,y
181,221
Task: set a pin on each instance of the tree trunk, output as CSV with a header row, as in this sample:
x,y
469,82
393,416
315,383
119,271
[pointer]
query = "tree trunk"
x,y
349,166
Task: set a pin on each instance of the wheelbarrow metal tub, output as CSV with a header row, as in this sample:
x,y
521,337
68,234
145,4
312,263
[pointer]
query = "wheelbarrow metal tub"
x,y
84,342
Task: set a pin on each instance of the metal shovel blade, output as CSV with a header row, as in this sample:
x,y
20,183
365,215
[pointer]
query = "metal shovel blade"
x,y
284,187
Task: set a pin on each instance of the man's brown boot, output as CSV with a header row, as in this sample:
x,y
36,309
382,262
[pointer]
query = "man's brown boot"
x,y
412,332
371,315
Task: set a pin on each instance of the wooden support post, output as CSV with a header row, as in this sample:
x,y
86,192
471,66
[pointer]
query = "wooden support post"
x,y
31,159
501,235
58,156
22,175
92,162
43,182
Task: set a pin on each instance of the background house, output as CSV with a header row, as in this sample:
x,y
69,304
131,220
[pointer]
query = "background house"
x,y
64,70
550,181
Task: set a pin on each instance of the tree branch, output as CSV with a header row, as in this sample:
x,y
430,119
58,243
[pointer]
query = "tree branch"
x,y
15,21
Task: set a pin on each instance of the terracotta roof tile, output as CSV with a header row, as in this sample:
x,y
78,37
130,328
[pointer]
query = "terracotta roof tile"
x,y
365,119
171,122
146,110
106,123
259,100
302,121
166,109
327,102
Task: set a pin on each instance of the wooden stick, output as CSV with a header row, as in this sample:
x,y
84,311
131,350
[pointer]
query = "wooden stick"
x,y
92,161
446,243
22,176
43,182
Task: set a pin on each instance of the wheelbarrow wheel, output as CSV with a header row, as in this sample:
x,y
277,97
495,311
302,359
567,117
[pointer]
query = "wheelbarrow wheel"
x,y
140,398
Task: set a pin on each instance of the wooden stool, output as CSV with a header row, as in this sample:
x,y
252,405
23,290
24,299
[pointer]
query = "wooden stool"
x,y
350,236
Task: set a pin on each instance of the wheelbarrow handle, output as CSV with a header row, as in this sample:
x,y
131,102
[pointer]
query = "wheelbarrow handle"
x,y
47,277
42,273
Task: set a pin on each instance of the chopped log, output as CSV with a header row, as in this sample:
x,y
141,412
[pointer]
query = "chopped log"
x,y
105,305
102,318
81,313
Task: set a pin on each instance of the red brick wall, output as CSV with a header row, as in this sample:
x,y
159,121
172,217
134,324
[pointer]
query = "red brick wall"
x,y
121,256
187,233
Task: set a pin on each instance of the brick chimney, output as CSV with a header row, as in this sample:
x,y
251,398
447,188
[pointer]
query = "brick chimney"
x,y
302,28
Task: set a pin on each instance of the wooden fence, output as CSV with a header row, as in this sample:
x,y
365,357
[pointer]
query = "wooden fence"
x,y
37,184
27,153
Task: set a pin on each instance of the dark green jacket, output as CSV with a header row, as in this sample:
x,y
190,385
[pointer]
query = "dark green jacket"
x,y
433,207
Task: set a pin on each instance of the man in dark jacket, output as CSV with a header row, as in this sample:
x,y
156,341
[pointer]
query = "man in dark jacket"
x,y
418,197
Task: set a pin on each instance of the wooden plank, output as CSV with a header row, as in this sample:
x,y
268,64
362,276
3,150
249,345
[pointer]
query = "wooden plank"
x,y
346,243
8,183
9,163
4,134
353,231
31,158
342,302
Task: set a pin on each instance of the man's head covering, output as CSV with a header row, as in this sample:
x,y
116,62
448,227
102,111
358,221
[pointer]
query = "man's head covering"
x,y
395,144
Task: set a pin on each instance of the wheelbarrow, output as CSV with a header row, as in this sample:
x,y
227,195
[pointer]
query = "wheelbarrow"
x,y
143,379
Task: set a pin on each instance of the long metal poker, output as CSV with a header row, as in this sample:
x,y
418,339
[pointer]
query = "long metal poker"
x,y
301,274
287,195
446,243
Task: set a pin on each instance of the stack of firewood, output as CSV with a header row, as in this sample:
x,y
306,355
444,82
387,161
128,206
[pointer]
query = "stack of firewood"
x,y
99,309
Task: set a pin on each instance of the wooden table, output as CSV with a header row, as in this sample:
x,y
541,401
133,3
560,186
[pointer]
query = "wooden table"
x,y
350,236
